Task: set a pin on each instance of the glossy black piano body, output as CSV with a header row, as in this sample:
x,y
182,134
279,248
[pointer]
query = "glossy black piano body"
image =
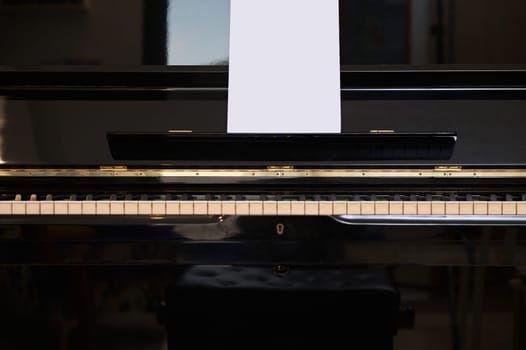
x,y
99,168
100,135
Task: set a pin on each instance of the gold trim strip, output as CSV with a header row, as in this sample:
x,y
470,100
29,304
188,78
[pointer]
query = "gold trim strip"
x,y
177,131
269,173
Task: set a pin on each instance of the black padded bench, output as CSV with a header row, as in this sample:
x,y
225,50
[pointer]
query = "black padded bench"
x,y
257,308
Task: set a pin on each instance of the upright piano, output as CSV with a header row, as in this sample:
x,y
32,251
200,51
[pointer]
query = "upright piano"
x,y
134,167
130,217
146,149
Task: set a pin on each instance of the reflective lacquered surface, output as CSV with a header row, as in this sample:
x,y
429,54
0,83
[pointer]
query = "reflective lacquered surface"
x,y
119,288
237,240
74,132
196,32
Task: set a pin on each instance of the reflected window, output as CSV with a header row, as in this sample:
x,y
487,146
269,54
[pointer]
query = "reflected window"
x,y
198,32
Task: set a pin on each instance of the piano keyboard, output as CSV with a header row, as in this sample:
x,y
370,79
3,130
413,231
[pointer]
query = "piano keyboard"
x,y
114,205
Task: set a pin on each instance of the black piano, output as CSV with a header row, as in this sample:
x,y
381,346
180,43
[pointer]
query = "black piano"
x,y
122,194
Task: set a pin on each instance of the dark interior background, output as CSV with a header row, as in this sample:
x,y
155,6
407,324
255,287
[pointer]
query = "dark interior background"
x,y
137,32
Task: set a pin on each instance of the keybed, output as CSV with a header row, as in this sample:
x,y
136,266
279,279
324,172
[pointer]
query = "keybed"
x,y
251,205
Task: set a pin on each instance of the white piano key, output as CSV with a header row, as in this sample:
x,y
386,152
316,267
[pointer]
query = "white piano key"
x,y
19,207
354,208
452,208
396,208
255,207
367,207
214,208
6,208
89,208
131,208
116,208
228,207
410,208
494,208
438,208
312,208
466,208
297,207
158,208
509,208
144,208
242,208
480,208
521,208
47,208
270,208
284,208
200,208
325,208
339,208
103,207
185,208
423,208
381,208
61,208
174,208
33,207
74,207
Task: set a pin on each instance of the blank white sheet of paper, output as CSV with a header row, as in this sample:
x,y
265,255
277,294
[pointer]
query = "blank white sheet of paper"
x,y
284,74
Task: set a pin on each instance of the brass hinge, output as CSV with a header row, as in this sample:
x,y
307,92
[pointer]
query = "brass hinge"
x,y
114,167
448,168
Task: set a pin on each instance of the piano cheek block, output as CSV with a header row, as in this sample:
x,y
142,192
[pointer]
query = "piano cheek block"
x,y
281,147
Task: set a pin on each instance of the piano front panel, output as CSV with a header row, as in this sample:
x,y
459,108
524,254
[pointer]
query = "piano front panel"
x,y
74,132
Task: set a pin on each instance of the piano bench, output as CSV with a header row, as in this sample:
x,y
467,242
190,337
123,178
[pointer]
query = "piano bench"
x,y
226,307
